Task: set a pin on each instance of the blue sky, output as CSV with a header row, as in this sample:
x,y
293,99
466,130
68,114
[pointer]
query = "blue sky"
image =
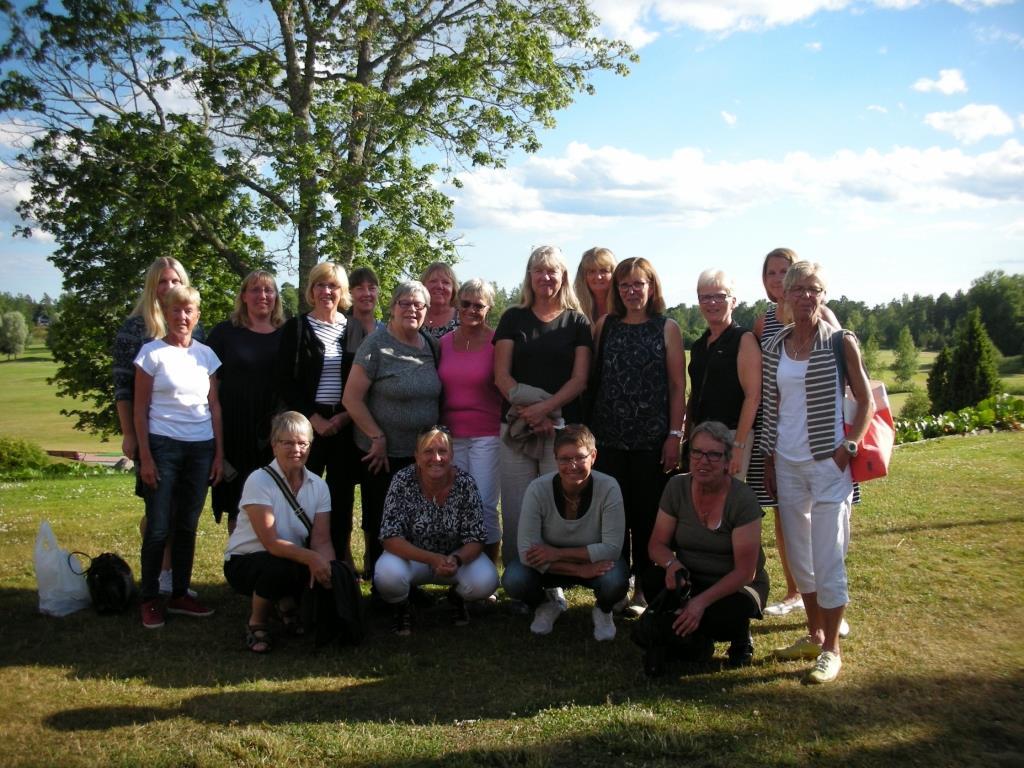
x,y
883,139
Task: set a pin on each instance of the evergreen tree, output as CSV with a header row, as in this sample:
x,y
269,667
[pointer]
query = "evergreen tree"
x,y
938,381
869,354
973,374
904,365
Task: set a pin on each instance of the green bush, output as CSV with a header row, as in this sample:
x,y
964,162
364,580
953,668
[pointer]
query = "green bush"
x,y
917,405
17,454
1002,412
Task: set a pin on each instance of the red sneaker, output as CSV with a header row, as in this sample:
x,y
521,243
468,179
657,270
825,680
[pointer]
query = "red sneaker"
x,y
153,614
186,605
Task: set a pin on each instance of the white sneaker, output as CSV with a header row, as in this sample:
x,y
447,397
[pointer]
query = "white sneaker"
x,y
557,595
544,617
604,624
844,628
826,668
167,584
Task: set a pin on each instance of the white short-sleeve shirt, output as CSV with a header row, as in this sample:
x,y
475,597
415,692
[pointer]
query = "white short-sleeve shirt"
x,y
179,407
261,489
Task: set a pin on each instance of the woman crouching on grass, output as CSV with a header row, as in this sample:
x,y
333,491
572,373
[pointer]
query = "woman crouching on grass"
x,y
178,424
273,553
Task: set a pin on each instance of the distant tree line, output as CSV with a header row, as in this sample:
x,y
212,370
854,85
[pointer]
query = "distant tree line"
x,y
932,321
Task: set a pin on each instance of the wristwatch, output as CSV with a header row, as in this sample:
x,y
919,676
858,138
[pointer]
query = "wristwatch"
x,y
675,433
851,447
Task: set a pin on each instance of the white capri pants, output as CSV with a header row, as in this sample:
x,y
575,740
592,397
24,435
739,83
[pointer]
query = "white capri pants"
x,y
517,472
394,577
815,498
480,457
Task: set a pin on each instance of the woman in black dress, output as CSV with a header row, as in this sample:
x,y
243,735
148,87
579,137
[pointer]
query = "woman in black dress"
x,y
247,347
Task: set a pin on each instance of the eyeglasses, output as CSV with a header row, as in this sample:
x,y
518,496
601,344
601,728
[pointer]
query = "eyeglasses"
x,y
473,304
302,445
419,306
329,287
713,456
435,428
806,290
712,298
638,287
570,461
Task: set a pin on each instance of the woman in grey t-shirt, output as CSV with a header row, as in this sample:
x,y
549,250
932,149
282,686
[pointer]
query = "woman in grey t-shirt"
x,y
392,394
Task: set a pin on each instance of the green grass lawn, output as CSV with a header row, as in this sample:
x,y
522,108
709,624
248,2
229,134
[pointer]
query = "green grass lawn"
x,y
30,408
932,675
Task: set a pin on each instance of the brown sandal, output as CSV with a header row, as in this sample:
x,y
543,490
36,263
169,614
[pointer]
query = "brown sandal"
x,y
257,638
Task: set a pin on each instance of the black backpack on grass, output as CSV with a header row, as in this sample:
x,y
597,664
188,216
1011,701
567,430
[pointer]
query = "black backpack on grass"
x,y
337,614
111,584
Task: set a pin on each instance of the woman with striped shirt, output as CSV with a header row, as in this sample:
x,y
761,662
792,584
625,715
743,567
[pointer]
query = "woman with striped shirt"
x,y
807,459
309,380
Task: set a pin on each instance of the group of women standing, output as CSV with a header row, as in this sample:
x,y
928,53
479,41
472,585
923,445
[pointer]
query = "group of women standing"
x,y
433,414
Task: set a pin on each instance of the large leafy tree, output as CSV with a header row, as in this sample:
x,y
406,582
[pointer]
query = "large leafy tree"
x,y
240,135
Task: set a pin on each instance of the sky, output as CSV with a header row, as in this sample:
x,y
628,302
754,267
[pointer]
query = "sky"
x,y
883,139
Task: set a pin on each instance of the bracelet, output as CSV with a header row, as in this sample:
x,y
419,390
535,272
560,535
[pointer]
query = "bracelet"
x,y
668,565
458,560
377,437
738,444
675,433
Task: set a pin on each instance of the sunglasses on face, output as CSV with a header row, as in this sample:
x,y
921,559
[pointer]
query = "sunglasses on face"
x,y
472,305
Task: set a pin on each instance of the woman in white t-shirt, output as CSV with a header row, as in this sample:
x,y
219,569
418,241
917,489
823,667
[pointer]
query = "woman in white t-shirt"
x,y
272,554
177,422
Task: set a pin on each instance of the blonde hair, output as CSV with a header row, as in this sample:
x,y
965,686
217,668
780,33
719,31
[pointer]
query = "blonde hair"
x,y
592,258
180,296
334,271
479,287
716,278
426,437
549,256
148,306
240,315
290,423
440,266
802,270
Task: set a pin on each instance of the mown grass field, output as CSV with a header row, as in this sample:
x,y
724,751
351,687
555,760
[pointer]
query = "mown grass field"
x,y
932,677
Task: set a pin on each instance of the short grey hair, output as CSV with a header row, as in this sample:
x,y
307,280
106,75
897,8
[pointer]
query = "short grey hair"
x,y
803,270
407,288
290,423
718,432
479,287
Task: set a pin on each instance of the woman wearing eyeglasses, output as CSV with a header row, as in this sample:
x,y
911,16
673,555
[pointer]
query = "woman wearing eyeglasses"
x,y
710,524
443,312
310,380
271,554
392,393
639,400
471,403
432,532
807,457
725,370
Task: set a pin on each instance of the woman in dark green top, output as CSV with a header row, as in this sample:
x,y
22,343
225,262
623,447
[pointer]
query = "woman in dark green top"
x,y
710,524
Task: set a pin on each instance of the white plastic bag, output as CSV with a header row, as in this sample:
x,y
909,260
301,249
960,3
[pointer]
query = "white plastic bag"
x,y
61,578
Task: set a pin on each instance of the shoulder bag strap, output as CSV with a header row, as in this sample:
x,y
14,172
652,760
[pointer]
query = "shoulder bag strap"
x,y
290,497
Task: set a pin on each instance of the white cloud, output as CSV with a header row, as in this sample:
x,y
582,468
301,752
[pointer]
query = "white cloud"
x,y
877,108
640,21
728,117
589,187
990,35
814,47
950,81
972,123
1014,229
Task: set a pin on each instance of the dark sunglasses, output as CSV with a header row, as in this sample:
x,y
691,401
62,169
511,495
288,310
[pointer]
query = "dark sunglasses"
x,y
474,304
435,428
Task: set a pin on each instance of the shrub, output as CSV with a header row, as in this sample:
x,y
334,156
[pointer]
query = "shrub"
x,y
17,454
917,405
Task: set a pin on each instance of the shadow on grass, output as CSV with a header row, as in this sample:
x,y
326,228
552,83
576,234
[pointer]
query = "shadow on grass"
x,y
940,525
902,719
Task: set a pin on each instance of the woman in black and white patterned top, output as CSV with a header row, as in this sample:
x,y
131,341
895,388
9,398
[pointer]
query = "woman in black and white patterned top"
x,y
433,532
309,380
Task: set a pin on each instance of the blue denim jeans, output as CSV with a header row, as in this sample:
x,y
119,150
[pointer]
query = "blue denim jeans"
x,y
522,582
174,507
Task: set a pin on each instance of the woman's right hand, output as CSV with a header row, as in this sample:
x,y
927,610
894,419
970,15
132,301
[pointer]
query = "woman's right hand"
x,y
319,570
147,472
129,446
376,459
670,576
321,425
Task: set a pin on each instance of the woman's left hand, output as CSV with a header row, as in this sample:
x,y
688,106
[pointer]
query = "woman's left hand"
x,y
736,462
535,415
841,458
446,566
217,469
688,620
670,454
319,570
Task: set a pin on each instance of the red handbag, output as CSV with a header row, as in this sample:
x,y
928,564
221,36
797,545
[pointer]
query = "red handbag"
x,y
875,451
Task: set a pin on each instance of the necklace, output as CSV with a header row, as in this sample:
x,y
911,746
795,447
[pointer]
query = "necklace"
x,y
796,351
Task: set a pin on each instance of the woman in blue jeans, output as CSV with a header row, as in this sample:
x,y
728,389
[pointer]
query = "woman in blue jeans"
x,y
177,421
